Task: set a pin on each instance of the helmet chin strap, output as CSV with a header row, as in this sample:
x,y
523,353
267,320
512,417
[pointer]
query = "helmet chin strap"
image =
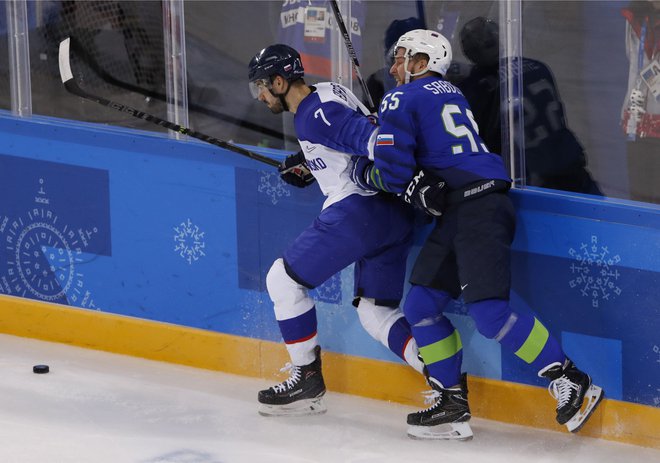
x,y
282,96
409,74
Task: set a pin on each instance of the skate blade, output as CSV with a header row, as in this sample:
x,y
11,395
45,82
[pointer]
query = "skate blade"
x,y
591,400
300,408
447,431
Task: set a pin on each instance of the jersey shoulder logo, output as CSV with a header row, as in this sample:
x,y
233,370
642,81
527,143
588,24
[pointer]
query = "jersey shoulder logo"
x,y
385,139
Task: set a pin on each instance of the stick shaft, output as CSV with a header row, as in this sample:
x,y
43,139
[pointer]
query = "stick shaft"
x,y
351,53
71,86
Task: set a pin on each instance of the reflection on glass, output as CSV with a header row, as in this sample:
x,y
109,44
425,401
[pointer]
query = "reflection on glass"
x,y
117,53
381,81
554,157
5,97
640,115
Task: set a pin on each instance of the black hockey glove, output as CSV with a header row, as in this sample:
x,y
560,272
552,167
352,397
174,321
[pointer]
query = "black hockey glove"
x,y
294,171
427,192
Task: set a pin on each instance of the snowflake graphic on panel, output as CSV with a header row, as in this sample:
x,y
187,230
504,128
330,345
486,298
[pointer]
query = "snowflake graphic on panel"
x,y
596,276
272,185
189,241
330,291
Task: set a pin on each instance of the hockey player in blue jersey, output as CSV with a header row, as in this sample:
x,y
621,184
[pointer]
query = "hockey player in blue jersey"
x,y
372,230
428,150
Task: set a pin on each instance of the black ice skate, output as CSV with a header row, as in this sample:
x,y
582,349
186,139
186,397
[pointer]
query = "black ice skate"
x,y
577,397
301,394
447,418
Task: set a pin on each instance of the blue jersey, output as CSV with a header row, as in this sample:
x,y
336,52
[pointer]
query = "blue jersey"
x,y
331,125
428,124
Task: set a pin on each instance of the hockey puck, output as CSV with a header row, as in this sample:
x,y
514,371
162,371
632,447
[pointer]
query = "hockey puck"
x,y
40,369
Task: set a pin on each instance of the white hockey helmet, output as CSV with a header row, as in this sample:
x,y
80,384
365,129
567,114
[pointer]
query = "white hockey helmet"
x,y
431,43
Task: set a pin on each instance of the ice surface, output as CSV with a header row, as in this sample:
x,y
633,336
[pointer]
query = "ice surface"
x,y
96,407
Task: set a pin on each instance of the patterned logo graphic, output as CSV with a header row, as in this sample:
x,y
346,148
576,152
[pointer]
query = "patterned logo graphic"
x,y
596,275
330,290
272,185
189,241
44,255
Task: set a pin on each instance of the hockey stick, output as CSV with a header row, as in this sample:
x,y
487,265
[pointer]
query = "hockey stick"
x,y
352,54
84,55
70,84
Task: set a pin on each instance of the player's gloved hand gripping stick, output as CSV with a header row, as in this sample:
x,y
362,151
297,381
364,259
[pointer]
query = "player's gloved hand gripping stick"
x,y
294,171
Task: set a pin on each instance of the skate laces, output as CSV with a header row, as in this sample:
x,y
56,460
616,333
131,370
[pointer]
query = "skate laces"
x,y
561,389
431,397
294,377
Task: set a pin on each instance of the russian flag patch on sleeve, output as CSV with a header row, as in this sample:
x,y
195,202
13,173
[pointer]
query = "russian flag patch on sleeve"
x,y
384,139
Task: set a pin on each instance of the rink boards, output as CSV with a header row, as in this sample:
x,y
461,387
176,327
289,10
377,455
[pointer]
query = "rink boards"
x,y
134,243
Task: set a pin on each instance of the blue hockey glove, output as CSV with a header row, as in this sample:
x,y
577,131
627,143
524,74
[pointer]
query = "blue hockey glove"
x,y
359,169
294,171
427,192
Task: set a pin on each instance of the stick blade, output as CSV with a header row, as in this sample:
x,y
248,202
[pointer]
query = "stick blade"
x,y
65,61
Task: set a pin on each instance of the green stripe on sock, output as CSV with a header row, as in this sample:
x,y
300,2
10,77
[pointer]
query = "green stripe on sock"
x,y
534,343
442,349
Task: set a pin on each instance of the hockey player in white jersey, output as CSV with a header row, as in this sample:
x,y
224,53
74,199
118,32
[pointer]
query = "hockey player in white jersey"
x,y
370,229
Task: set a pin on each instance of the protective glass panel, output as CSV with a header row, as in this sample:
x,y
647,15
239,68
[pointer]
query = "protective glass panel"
x,y
583,131
116,53
5,97
221,38
590,73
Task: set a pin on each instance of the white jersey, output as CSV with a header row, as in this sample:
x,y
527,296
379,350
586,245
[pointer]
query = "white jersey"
x,y
331,125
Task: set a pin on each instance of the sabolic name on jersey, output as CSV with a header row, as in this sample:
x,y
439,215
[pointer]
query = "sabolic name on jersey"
x,y
440,86
385,139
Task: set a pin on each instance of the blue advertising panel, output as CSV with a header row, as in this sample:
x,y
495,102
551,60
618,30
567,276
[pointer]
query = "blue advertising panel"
x,y
57,220
184,233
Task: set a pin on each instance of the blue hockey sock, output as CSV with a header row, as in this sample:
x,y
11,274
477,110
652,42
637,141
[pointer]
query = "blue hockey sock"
x,y
530,340
438,341
522,334
442,351
399,336
300,328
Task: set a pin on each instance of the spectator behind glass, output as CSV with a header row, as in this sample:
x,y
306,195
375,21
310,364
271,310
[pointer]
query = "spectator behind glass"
x,y
381,81
554,158
640,115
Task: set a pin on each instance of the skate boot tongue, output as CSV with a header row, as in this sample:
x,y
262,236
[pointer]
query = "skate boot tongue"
x,y
290,383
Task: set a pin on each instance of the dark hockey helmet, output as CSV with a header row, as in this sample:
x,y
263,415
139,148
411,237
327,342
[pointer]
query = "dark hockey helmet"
x,y
278,59
480,41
